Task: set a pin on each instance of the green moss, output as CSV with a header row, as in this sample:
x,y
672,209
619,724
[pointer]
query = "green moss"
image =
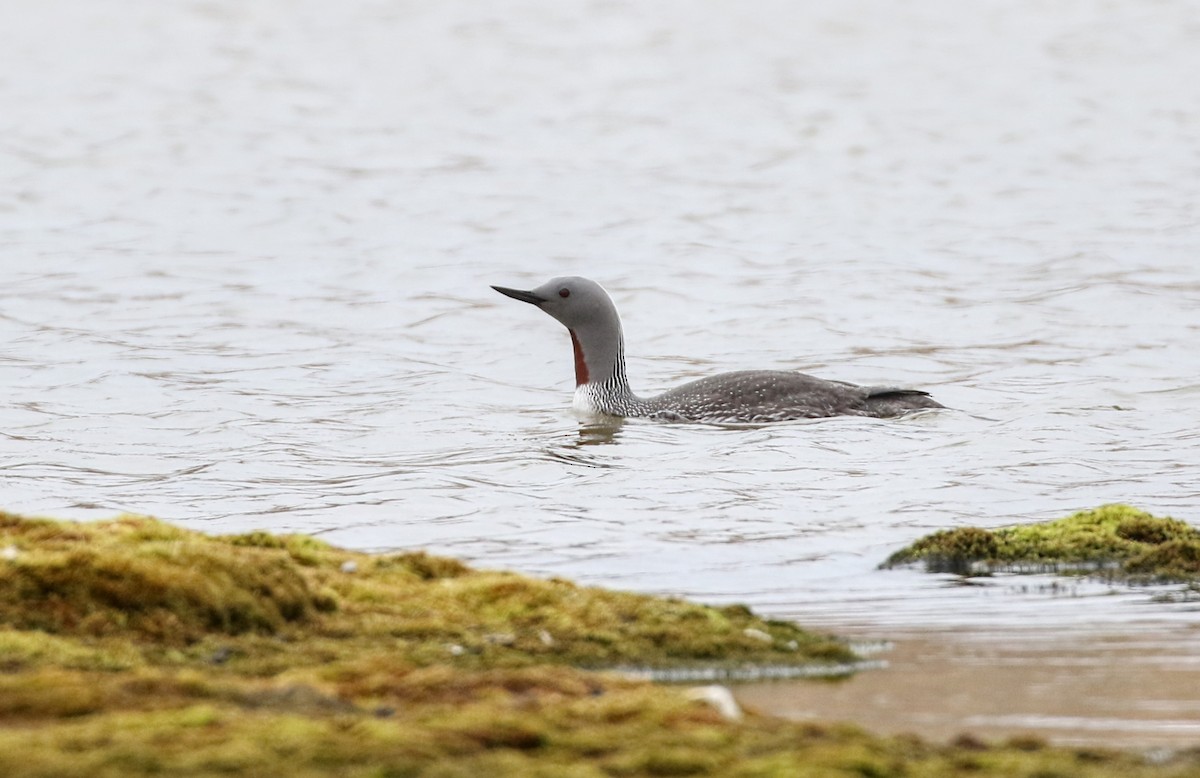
x,y
1170,560
618,729
134,648
25,649
1114,540
165,587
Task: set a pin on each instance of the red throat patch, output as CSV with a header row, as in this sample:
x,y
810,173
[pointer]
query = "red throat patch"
x,y
581,373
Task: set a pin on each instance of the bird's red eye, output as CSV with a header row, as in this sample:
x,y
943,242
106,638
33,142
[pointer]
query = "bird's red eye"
x,y
564,292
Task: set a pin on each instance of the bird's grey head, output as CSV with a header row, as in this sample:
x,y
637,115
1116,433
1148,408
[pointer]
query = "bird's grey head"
x,y
574,301
584,308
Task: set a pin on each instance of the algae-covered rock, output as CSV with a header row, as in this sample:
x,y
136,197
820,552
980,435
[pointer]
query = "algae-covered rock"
x,y
549,722
1115,541
287,601
133,648
139,576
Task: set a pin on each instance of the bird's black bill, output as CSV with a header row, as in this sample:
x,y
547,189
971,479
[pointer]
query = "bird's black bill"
x,y
517,294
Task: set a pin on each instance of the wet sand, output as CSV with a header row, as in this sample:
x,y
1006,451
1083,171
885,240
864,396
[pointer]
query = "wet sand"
x,y
1072,688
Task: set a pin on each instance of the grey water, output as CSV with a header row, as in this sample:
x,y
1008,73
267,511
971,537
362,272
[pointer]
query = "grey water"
x,y
245,251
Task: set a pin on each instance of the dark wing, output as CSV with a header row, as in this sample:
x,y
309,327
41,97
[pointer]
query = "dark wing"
x,y
755,396
752,396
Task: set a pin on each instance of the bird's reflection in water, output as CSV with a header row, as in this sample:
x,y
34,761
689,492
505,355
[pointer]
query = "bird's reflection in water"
x,y
599,433
593,432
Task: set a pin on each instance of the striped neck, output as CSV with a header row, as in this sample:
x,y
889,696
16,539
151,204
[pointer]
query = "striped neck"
x,y
610,395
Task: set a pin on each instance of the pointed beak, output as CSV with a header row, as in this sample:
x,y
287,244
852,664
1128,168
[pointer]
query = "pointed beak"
x,y
517,294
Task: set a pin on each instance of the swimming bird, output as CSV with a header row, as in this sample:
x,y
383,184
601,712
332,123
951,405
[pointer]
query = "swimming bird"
x,y
740,397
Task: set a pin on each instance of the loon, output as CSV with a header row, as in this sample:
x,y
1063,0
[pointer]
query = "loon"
x,y
740,397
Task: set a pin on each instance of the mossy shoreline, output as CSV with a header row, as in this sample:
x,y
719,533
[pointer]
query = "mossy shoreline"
x,y
264,603
1115,542
132,647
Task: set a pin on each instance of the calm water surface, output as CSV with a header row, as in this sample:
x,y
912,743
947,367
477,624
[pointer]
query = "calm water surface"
x,y
246,249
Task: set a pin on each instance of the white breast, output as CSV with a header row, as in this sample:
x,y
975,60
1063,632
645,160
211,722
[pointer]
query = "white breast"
x,y
584,400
